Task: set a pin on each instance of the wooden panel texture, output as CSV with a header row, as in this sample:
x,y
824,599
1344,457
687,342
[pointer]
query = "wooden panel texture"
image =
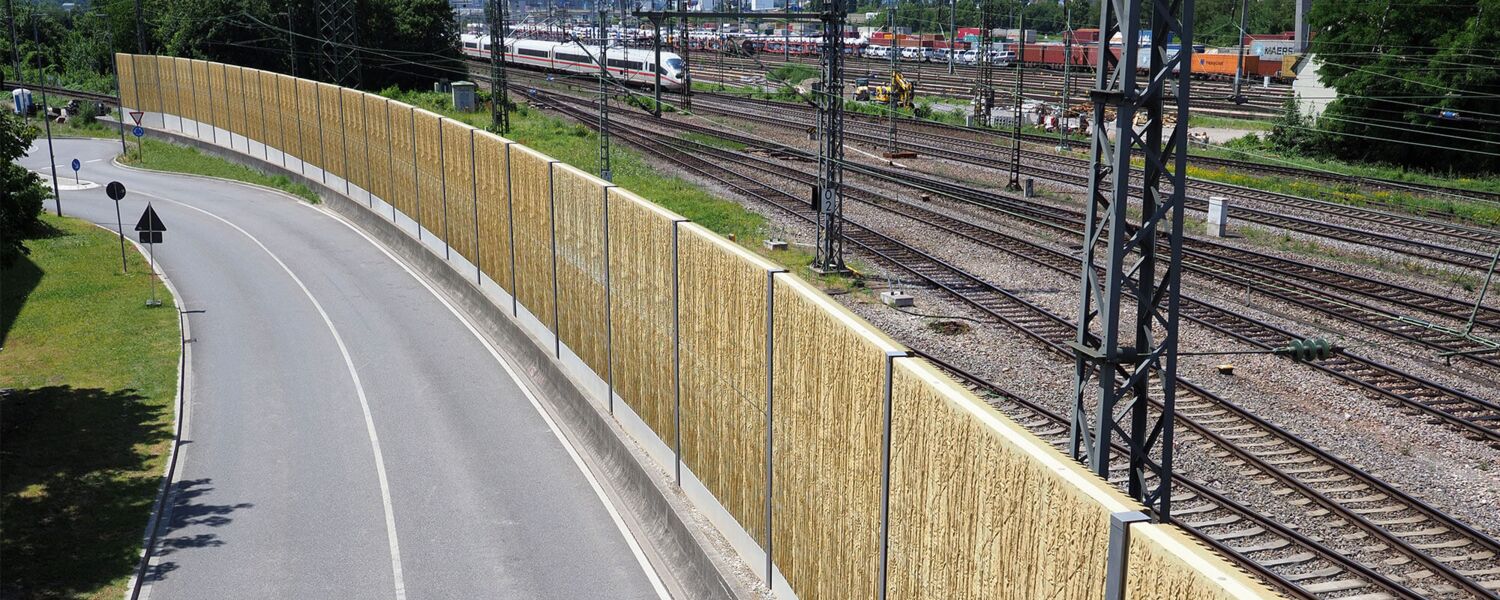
x,y
403,175
130,94
270,97
458,187
378,147
828,403
218,100
234,100
1167,564
640,281
331,119
150,84
291,122
981,508
251,105
186,105
531,193
356,137
307,123
723,351
203,108
579,210
494,207
170,96
429,146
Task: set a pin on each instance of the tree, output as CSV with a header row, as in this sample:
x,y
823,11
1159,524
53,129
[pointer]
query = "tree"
x,y
1418,81
21,191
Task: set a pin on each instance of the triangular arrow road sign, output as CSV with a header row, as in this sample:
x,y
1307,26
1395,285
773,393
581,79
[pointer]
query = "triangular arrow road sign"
x,y
136,115
149,221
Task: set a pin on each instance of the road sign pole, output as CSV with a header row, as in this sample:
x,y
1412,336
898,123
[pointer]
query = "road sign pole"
x,y
151,248
120,227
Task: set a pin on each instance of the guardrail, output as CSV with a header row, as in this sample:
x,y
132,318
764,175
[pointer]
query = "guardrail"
x,y
842,466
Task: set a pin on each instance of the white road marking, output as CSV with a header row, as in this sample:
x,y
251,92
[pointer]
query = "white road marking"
x,y
614,514
364,404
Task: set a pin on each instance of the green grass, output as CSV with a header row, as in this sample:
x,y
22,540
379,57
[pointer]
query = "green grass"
x,y
1473,212
163,156
793,73
85,431
1253,151
1228,123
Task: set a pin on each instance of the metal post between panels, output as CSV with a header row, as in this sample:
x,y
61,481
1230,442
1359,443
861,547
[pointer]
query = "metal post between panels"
x,y
213,129
416,179
281,118
473,195
510,225
1119,552
344,143
552,220
676,357
297,114
322,145
443,191
885,471
770,414
265,146
609,317
390,161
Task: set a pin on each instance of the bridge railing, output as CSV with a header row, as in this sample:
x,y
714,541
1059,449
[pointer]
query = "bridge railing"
x,y
867,473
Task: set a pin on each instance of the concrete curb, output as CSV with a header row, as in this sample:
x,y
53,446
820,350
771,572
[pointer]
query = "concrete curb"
x,y
691,559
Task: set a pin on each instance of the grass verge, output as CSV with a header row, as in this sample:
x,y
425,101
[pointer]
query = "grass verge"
x,y
162,156
85,429
1343,193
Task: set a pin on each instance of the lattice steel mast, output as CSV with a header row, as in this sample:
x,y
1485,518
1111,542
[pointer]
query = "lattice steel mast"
x,y
338,35
603,59
1121,374
830,252
1015,126
499,86
984,83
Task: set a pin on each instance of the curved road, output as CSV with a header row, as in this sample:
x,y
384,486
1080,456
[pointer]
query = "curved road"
x,y
347,434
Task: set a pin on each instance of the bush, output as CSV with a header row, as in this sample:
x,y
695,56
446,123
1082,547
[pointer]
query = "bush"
x,y
21,191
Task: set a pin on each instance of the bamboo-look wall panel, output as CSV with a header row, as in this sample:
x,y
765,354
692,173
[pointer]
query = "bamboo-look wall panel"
x,y
307,123
356,138
723,352
150,84
202,109
166,69
493,176
640,284
291,122
429,172
270,97
235,99
378,146
125,72
218,96
982,508
331,119
579,209
250,102
829,387
403,176
458,186
1167,564
530,196
187,106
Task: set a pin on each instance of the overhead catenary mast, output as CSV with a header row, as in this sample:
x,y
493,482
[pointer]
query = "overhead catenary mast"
x,y
830,197
1015,126
499,86
1122,360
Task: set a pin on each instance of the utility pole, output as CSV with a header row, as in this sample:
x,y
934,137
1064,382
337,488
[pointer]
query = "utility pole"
x,y
984,84
291,41
830,252
338,31
1239,65
1119,359
890,96
603,58
952,32
499,86
687,75
140,27
1067,90
41,78
1015,126
15,47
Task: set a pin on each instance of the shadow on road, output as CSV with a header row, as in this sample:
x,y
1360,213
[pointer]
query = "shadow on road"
x,y
188,510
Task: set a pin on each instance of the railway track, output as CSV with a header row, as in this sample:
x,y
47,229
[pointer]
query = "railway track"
x,y
1071,171
1400,541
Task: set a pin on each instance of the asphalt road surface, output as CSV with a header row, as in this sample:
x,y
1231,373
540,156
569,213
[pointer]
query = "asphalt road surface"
x,y
347,434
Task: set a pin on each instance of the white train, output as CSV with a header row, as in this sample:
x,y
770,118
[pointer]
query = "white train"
x,y
630,65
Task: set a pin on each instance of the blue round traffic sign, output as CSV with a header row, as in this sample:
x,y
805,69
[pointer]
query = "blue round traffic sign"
x,y
137,132
77,165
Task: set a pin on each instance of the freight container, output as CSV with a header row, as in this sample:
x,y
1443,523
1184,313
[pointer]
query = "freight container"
x,y
1223,66
1274,49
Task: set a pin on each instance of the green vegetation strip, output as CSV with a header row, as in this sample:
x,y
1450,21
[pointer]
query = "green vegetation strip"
x,y
162,156
1479,213
86,426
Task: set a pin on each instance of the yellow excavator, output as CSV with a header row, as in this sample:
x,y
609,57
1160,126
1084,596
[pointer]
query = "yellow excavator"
x,y
881,94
